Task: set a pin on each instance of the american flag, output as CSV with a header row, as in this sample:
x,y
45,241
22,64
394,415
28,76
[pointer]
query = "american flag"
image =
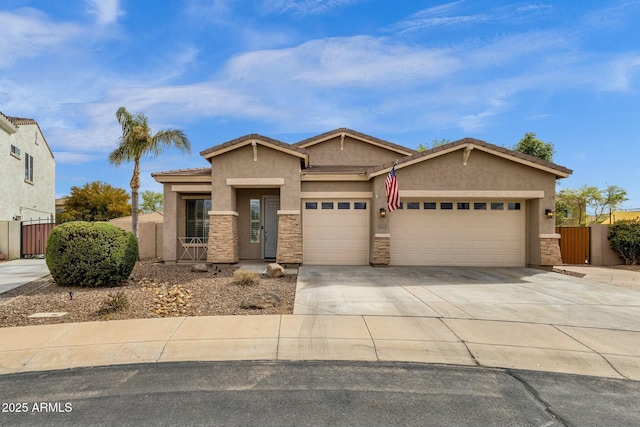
x,y
391,184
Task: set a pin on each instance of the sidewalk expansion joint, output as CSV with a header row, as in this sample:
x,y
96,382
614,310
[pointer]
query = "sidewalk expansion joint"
x,y
375,348
593,350
164,347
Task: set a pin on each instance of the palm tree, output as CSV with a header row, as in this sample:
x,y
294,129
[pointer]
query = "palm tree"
x,y
136,141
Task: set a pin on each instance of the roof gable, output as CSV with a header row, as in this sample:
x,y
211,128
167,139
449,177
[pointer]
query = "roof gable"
x,y
20,121
342,132
255,139
467,145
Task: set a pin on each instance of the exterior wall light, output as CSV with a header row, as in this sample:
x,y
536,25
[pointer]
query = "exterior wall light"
x,y
548,213
383,212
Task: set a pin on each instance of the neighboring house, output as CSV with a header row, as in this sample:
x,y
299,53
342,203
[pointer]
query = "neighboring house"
x,y
60,205
124,222
622,215
322,201
27,170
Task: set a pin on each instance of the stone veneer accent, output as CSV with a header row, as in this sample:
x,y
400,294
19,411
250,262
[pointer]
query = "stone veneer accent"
x,y
289,239
223,239
381,251
550,251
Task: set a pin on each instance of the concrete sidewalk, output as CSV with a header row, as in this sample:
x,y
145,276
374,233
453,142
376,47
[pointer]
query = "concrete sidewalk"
x,y
18,272
497,344
610,276
548,322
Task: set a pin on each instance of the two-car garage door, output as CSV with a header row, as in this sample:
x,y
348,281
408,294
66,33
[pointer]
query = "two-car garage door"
x,y
423,232
466,233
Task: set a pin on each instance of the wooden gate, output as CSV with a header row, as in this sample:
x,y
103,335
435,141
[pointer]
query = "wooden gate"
x,y
33,237
575,244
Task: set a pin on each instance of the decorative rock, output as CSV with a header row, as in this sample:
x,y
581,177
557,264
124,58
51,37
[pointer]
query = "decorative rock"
x,y
262,300
275,270
200,268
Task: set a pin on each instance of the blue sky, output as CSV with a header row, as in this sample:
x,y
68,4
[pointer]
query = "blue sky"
x,y
407,71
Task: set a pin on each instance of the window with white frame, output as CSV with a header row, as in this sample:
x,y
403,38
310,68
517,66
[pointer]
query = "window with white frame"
x,y
28,167
254,220
15,151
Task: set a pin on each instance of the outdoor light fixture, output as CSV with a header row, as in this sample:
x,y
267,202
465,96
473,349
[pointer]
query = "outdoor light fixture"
x,y
548,213
383,212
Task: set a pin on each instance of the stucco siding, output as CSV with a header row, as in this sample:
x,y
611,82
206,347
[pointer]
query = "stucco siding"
x,y
19,197
333,186
482,172
269,163
353,153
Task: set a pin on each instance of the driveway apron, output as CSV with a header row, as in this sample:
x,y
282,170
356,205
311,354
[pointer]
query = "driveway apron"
x,y
503,294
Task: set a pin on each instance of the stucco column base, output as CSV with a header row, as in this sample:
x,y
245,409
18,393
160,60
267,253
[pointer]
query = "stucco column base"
x,y
381,250
289,239
223,238
550,250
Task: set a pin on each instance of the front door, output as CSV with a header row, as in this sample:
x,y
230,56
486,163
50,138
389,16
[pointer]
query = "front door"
x,y
270,226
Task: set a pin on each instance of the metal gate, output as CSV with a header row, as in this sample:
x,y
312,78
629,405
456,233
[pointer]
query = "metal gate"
x,y
33,237
575,244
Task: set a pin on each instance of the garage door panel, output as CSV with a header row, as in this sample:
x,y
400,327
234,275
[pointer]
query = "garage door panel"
x,y
336,236
457,237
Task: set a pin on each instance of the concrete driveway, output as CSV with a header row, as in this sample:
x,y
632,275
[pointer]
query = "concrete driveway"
x,y
502,294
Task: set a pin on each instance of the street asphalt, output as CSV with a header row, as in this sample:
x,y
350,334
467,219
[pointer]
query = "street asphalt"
x,y
314,394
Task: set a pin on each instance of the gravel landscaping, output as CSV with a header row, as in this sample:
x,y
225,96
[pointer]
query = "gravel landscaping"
x,y
154,290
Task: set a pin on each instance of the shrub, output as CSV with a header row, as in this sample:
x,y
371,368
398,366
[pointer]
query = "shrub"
x,y
245,278
90,254
114,302
625,240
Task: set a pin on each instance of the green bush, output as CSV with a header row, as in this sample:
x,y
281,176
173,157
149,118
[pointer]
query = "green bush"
x,y
625,240
90,254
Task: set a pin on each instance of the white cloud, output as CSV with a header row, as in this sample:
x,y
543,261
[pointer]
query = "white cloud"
x,y
106,11
72,157
28,33
455,14
359,61
305,7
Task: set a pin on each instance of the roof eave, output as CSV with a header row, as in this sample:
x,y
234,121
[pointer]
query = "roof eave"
x,y
558,171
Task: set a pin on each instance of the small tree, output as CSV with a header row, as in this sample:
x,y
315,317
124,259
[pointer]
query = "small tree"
x,y
435,143
625,240
574,203
136,141
535,147
151,201
609,199
95,201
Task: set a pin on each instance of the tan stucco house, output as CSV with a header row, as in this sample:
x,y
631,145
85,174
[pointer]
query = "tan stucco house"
x,y
322,201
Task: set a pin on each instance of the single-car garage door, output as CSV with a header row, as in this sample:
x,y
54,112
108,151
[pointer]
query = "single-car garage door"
x,y
467,233
335,232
